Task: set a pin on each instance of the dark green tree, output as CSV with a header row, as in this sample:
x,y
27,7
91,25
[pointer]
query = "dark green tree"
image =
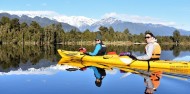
x,y
15,24
103,29
24,30
5,20
176,36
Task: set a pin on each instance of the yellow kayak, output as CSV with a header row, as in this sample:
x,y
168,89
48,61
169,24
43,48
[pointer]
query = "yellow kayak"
x,y
84,64
125,60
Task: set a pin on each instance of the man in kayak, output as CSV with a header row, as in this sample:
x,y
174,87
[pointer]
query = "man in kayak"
x,y
100,48
99,73
152,49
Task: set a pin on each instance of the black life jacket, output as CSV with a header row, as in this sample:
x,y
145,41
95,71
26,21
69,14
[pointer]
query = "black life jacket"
x,y
102,51
102,72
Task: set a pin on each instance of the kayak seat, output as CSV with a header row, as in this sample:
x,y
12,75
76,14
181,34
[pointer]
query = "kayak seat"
x,y
111,53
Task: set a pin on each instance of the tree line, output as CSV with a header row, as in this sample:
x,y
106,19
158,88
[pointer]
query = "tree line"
x,y
12,31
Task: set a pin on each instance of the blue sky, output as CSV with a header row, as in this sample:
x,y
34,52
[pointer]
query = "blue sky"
x,y
172,12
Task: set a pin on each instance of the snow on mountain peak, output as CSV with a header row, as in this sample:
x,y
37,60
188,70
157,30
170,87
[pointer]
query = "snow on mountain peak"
x,y
109,20
77,21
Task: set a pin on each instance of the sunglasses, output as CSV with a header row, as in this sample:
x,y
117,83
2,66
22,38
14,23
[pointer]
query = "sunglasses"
x,y
147,37
96,39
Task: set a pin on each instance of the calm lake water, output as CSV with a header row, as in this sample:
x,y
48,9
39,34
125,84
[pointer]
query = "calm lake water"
x,y
34,70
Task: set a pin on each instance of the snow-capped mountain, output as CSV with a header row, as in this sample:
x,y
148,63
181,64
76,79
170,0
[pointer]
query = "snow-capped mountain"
x,y
103,22
32,14
134,28
43,21
82,23
107,21
77,21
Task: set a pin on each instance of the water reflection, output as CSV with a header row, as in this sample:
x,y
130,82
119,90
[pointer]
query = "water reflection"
x,y
152,76
13,55
70,76
183,58
99,74
42,67
98,69
33,69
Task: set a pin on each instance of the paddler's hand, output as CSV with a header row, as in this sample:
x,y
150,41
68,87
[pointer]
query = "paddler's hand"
x,y
149,91
133,57
125,54
86,53
82,50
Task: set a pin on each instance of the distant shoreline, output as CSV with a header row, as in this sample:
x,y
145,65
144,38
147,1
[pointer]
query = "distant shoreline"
x,y
93,43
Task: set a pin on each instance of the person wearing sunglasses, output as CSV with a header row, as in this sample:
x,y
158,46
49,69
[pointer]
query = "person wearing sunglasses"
x,y
100,48
152,49
152,81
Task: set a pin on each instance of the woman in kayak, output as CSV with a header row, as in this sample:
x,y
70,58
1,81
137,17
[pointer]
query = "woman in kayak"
x,y
152,82
152,49
100,48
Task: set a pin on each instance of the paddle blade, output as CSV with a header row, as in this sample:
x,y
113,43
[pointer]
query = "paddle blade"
x,y
125,75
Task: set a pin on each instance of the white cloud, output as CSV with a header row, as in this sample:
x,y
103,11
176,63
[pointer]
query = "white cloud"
x,y
139,19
